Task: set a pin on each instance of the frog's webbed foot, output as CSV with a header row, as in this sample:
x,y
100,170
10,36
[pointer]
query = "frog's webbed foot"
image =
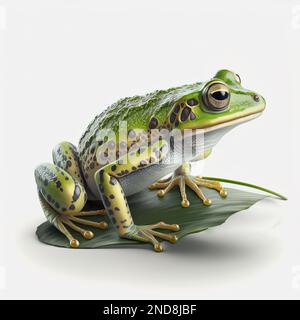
x,y
181,178
147,233
72,222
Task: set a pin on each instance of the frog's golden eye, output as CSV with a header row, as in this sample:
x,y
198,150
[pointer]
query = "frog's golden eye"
x,y
216,97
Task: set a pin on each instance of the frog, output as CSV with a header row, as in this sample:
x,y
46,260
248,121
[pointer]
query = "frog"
x,y
110,164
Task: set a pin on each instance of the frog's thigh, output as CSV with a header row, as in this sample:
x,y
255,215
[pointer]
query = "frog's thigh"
x,y
65,156
62,192
62,198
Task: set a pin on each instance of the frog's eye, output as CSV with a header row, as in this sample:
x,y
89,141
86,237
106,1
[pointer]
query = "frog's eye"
x,y
216,97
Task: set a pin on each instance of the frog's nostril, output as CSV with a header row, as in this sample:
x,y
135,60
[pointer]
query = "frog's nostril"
x,y
256,97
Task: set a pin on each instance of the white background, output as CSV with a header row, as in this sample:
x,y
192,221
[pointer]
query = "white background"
x,y
62,62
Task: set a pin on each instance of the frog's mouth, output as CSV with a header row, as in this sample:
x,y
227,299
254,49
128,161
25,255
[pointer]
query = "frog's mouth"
x,y
233,122
208,137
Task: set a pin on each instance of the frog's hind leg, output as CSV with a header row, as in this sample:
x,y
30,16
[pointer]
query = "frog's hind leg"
x,y
63,196
62,199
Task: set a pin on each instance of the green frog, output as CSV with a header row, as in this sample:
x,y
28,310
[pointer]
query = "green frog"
x,y
136,143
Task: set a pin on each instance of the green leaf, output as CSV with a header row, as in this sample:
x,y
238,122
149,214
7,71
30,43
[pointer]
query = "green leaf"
x,y
147,208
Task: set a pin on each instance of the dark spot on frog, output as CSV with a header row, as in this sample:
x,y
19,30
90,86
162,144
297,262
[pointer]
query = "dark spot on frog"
x,y
101,175
185,114
112,196
72,207
153,123
93,148
69,164
143,163
113,181
192,102
152,160
172,117
58,184
176,109
113,167
106,201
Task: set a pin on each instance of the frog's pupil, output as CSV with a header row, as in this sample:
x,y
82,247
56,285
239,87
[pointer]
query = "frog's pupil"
x,y
220,95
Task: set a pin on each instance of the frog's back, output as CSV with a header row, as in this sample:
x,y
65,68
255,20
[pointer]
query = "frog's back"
x,y
136,111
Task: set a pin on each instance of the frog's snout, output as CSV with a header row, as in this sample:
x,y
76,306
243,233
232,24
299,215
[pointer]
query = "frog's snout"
x,y
259,100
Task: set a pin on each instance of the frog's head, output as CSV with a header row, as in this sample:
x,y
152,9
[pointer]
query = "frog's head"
x,y
219,102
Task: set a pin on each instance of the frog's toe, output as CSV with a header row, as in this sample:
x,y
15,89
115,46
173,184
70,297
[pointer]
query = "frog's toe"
x,y
148,234
74,243
190,182
86,234
160,184
194,183
211,185
70,221
61,224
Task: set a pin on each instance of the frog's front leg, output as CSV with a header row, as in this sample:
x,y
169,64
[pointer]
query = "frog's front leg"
x,y
182,177
117,207
62,194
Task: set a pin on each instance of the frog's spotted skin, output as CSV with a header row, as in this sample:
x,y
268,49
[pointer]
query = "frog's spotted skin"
x,y
182,111
65,156
55,185
100,169
62,196
110,189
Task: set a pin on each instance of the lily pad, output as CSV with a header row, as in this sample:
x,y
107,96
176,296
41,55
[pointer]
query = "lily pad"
x,y
147,208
